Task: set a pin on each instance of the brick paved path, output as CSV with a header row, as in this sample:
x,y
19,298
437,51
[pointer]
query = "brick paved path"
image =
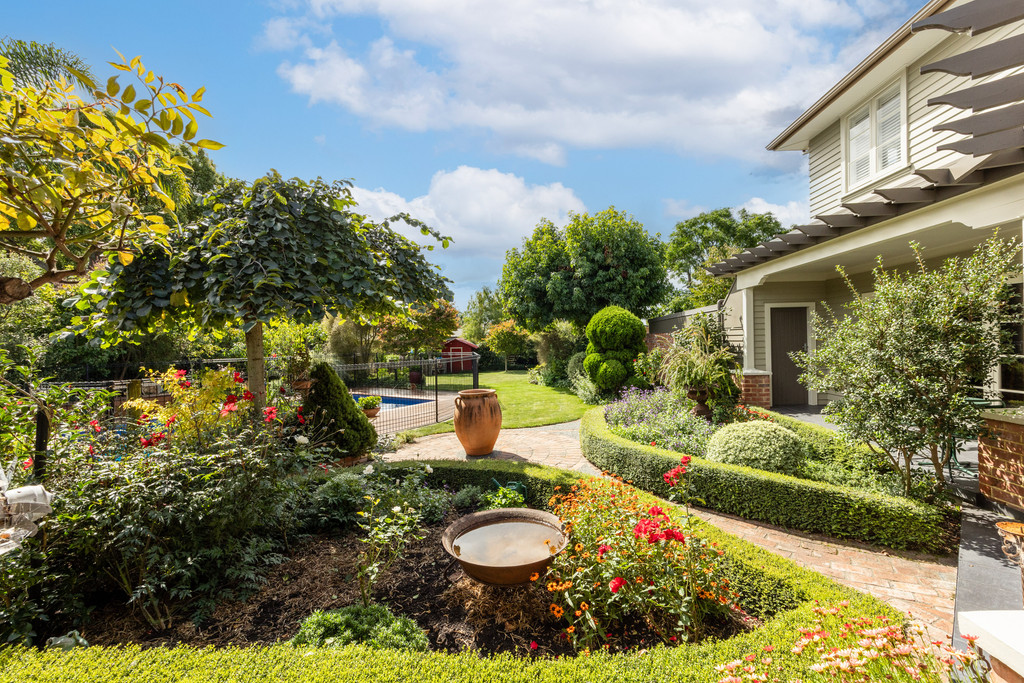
x,y
921,585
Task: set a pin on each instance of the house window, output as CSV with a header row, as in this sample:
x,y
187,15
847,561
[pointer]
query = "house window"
x,y
874,138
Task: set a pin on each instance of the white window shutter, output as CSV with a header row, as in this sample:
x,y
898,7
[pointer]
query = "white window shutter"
x,y
889,130
859,146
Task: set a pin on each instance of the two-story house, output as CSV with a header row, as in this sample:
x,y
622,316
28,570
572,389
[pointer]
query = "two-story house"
x,y
921,141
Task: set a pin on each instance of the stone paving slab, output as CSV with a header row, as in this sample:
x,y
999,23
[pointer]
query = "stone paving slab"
x,y
923,586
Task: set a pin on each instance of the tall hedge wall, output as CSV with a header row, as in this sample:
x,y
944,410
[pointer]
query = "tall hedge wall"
x,y
771,587
774,498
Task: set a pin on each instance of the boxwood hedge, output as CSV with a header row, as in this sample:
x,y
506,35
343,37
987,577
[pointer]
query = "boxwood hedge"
x,y
783,594
778,499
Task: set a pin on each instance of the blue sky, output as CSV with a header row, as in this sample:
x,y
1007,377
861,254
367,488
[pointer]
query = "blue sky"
x,y
481,118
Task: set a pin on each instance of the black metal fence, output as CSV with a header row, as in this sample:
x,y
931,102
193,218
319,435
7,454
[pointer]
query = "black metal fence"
x,y
415,392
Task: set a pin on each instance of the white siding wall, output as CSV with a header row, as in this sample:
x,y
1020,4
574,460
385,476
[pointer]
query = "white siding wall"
x,y
824,152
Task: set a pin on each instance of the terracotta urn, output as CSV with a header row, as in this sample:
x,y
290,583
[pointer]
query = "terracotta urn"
x,y
477,420
371,412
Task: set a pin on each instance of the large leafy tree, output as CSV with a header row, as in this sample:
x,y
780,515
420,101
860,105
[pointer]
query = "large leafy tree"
x,y
573,272
482,311
695,241
907,358
275,248
425,329
82,178
508,339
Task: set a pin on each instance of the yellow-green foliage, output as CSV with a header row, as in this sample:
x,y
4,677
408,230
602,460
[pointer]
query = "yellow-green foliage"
x,y
196,403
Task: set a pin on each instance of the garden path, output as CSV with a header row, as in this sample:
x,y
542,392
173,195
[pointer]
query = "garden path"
x,y
923,586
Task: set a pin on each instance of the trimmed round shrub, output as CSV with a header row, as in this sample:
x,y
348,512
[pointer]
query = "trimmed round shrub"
x,y
611,375
331,412
616,328
592,363
760,444
374,626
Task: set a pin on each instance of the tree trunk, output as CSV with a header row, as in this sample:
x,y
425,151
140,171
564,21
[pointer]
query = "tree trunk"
x,y
256,366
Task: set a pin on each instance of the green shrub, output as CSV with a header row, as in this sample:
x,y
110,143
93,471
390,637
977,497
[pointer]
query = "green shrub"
x,y
467,498
374,626
615,338
575,365
336,503
369,402
774,498
502,498
761,445
332,413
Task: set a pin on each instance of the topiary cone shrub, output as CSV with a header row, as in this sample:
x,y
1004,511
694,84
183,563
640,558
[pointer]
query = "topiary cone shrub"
x,y
616,338
332,414
760,444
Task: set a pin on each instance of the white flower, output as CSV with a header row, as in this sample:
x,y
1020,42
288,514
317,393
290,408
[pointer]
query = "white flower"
x,y
429,469
301,440
397,508
368,470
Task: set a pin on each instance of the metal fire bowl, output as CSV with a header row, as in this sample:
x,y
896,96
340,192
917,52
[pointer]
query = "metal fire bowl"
x,y
504,575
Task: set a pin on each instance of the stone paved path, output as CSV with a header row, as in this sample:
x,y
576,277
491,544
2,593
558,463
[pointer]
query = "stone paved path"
x,y
920,585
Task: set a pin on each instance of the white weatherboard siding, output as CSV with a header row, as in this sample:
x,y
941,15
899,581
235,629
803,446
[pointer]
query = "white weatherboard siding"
x,y
825,162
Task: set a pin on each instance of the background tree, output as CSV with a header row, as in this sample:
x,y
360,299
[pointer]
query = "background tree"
x,y
77,178
36,64
508,339
907,359
425,329
482,311
573,272
276,248
351,339
694,241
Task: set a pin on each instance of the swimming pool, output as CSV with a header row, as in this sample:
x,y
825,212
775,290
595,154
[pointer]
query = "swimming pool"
x,y
393,402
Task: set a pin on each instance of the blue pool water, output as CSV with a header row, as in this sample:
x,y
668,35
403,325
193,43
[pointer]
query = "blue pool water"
x,y
392,402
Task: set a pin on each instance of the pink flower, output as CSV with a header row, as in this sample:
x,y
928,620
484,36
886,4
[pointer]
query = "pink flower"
x,y
180,373
615,584
228,408
602,550
269,414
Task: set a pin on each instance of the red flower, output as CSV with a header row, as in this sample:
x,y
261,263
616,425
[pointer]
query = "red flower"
x,y
231,399
616,583
247,395
281,389
171,420
533,644
602,550
180,373
656,511
228,408
302,420
239,378
95,425
184,385
269,414
92,451
645,527
27,464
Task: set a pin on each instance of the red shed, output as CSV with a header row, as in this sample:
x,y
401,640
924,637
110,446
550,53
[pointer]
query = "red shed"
x,y
457,353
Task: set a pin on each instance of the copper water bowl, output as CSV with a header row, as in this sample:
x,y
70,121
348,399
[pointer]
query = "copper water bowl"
x,y
504,575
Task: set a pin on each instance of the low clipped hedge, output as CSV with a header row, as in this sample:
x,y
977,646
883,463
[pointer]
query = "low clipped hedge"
x,y
773,588
778,499
822,441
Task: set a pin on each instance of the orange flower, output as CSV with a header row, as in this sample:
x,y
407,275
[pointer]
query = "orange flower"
x,y
579,613
579,547
557,611
534,576
584,606
571,629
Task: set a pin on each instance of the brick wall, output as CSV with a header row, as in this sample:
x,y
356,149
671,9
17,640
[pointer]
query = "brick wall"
x,y
756,390
655,341
1001,463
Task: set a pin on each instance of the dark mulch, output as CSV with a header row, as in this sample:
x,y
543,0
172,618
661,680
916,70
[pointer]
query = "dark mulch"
x,y
457,612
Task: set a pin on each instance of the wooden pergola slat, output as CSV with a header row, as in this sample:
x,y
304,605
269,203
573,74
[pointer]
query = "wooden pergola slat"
x,y
985,96
795,237
907,195
976,17
871,209
983,61
841,220
989,122
817,230
778,246
747,257
981,145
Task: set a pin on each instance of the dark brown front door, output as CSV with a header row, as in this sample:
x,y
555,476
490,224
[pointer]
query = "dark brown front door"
x,y
789,333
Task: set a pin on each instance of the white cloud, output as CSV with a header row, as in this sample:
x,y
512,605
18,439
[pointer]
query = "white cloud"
x,y
485,212
542,76
682,209
791,213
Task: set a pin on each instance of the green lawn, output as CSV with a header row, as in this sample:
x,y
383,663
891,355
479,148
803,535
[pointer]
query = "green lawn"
x,y
522,404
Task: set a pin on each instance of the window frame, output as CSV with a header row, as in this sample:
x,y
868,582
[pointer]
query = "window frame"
x,y
876,174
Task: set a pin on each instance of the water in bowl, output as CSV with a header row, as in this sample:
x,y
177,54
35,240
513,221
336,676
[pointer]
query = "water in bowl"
x,y
507,544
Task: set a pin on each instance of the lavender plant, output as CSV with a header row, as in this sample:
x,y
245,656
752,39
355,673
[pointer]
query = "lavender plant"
x,y
660,418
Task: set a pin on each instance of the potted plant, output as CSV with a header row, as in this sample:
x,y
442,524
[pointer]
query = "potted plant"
x,y
370,405
696,367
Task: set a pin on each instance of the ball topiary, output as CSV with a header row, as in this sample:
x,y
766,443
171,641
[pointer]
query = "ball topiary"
x,y
332,413
760,444
616,338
